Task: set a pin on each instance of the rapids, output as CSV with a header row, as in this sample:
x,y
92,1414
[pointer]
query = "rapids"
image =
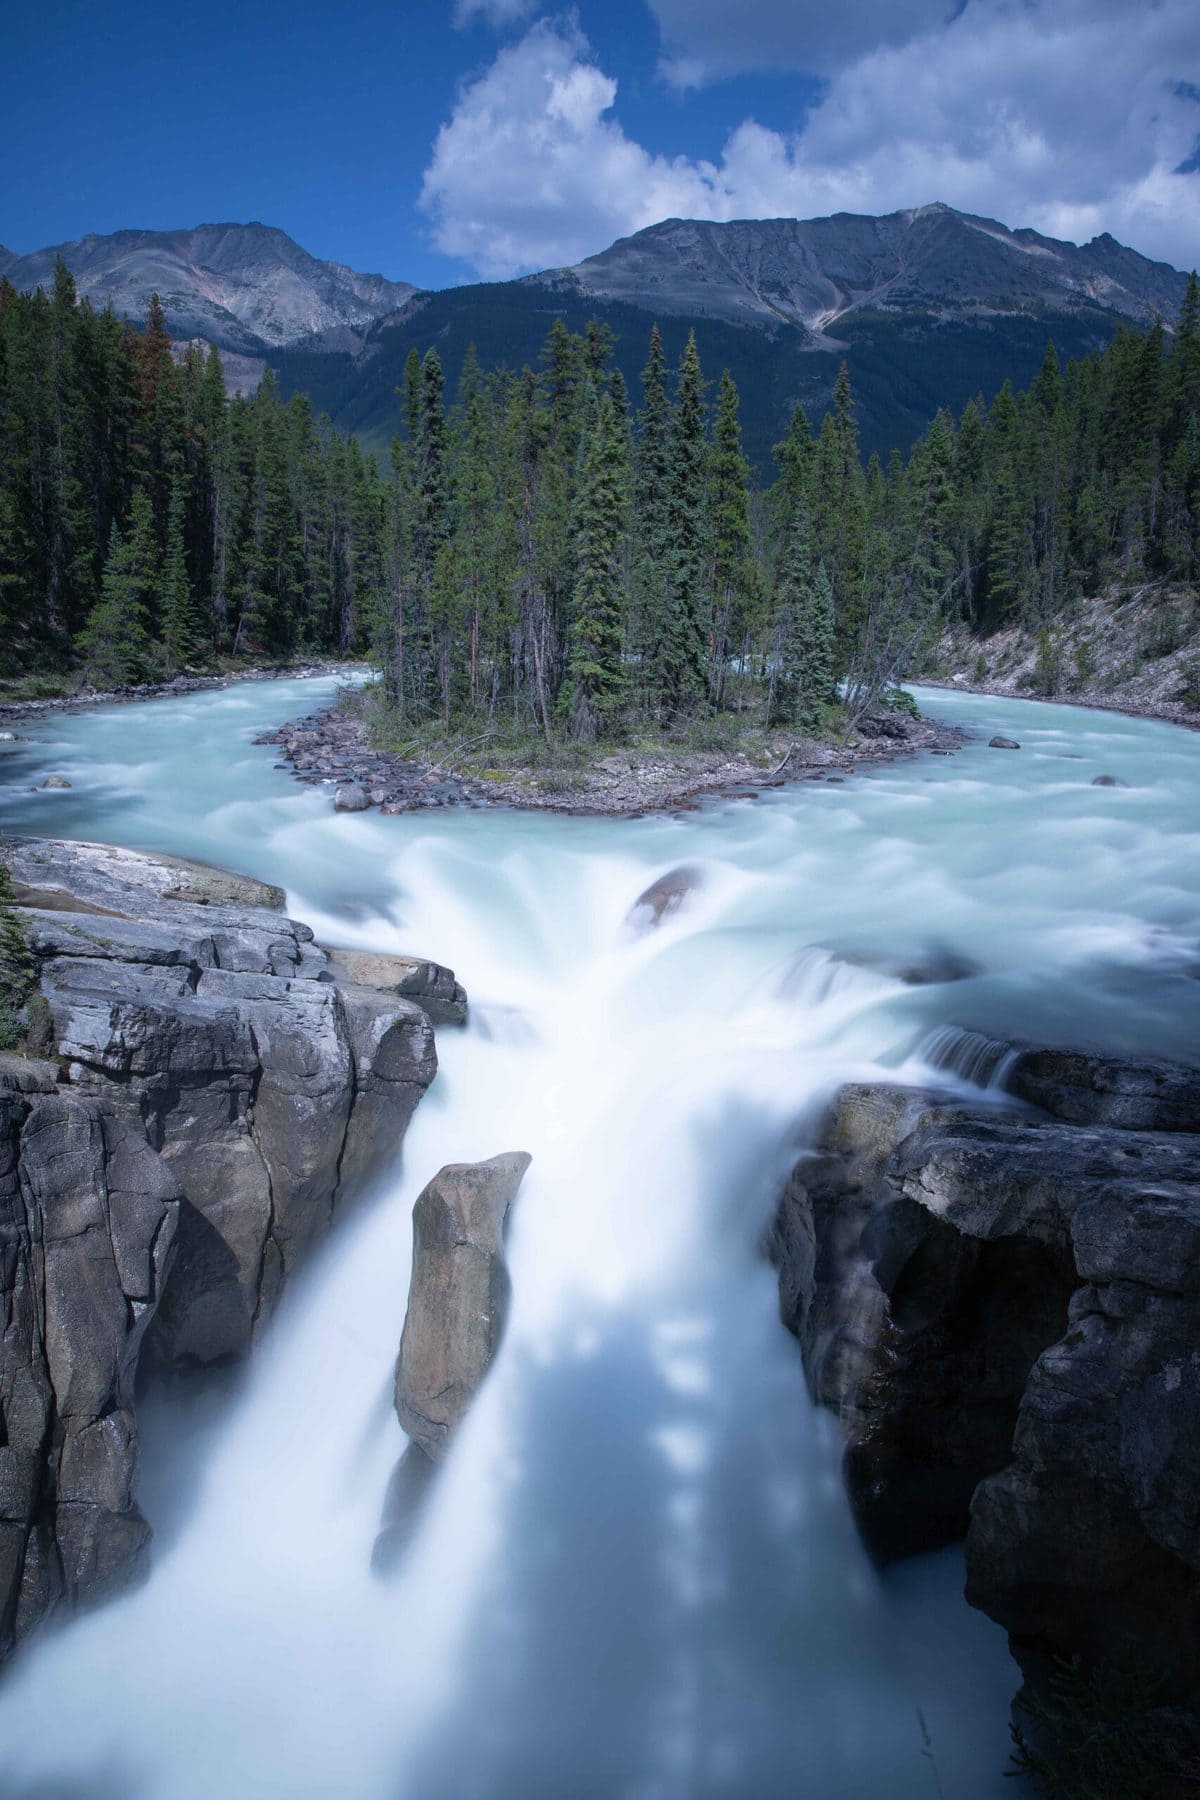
x,y
637,1576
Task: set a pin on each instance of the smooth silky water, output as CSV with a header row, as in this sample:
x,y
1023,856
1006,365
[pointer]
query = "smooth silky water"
x,y
637,1575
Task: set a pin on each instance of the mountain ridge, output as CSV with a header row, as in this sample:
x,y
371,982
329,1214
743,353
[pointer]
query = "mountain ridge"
x,y
928,306
249,288
810,273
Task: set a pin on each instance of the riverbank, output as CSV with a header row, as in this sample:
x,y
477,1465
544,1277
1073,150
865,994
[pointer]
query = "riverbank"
x,y
333,748
1134,651
14,710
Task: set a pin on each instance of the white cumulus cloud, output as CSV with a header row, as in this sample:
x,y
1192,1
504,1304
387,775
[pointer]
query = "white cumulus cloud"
x,y
1071,116
498,13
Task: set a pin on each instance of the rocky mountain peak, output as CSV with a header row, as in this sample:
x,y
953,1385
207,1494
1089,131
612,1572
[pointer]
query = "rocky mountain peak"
x,y
247,288
813,273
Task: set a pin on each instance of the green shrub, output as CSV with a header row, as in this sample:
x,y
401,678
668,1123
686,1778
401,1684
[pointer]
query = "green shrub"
x,y
899,699
1047,673
1086,666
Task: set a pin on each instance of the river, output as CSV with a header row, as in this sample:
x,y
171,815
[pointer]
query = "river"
x,y
638,1577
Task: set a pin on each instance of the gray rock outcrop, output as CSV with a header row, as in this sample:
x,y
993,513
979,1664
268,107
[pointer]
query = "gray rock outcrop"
x,y
1004,1310
88,1218
217,1094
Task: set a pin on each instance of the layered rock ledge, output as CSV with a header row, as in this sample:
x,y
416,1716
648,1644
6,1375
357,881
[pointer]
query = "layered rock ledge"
x,y
1002,1305
214,1087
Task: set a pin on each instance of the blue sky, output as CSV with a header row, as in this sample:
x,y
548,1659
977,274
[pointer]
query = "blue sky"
x,y
451,139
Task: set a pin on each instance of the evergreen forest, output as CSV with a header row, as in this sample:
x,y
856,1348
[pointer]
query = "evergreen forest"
x,y
544,548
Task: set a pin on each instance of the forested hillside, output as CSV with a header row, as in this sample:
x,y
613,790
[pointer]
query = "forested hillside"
x,y
547,549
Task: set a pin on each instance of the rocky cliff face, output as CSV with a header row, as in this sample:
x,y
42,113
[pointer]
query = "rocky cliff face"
x,y
216,1090
1004,1309
247,288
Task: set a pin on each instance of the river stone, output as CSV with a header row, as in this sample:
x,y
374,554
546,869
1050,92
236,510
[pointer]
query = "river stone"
x,y
664,897
351,798
458,1295
1113,781
1003,743
56,781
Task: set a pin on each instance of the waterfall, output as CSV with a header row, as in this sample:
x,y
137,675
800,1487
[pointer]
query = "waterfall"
x,y
637,1574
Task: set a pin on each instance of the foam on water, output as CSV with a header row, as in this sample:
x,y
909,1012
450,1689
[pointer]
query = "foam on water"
x,y
637,1574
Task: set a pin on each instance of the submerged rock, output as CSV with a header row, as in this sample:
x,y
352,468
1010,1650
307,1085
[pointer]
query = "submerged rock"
x,y
1113,781
407,1492
458,1295
56,781
1003,743
924,965
664,897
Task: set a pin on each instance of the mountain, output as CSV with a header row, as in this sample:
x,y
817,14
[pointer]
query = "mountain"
x,y
246,288
928,307
814,274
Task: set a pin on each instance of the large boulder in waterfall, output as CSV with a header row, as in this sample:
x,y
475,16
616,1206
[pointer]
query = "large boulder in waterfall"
x,y
458,1295
664,897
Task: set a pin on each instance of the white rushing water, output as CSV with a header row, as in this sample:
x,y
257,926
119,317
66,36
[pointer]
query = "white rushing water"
x,y
637,1575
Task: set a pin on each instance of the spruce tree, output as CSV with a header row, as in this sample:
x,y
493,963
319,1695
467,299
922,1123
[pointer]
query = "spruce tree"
x,y
651,507
802,667
595,673
181,640
729,533
114,645
680,650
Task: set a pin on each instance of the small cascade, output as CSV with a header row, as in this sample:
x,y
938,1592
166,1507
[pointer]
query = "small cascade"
x,y
970,1056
